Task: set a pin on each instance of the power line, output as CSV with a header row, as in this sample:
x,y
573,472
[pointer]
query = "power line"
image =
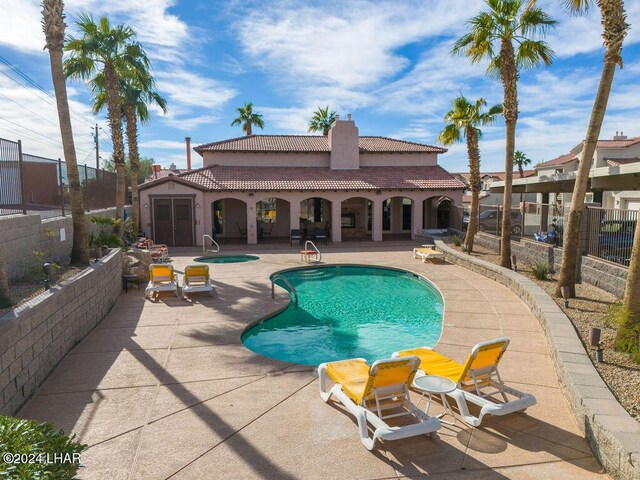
x,y
48,142
30,137
38,86
31,130
29,110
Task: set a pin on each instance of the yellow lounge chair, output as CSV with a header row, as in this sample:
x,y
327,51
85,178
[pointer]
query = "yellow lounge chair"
x,y
478,379
370,391
427,252
196,279
162,278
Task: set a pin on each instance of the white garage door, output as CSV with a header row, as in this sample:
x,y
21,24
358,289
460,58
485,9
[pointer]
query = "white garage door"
x,y
633,204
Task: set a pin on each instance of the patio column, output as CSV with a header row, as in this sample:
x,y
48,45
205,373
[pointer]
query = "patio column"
x,y
336,221
294,214
417,213
376,221
252,234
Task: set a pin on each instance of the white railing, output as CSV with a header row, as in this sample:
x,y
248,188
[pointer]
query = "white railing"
x,y
292,289
313,245
213,244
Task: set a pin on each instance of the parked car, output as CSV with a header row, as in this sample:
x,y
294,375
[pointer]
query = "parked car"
x,y
489,221
615,240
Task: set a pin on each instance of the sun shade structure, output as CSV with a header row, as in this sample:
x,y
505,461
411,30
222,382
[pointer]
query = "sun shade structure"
x,y
478,379
375,393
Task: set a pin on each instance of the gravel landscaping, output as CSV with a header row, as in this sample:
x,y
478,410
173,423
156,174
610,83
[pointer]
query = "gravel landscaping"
x,y
586,311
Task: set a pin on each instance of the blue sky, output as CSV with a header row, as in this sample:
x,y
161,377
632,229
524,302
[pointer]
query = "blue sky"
x,y
386,63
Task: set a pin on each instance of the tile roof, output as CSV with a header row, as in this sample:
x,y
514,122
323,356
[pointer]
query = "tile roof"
x,y
500,175
223,177
618,143
614,162
561,160
312,144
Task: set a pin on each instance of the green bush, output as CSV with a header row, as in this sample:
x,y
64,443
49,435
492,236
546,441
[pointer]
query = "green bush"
x,y
628,334
456,240
35,271
107,235
540,270
52,454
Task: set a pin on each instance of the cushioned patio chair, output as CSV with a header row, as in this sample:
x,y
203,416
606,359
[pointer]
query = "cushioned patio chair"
x,y
375,393
478,379
162,278
196,279
320,234
296,236
243,233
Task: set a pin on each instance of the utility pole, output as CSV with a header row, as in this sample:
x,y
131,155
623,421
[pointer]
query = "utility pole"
x,y
95,137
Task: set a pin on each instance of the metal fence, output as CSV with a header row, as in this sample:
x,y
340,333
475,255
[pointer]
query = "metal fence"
x,y
610,233
33,184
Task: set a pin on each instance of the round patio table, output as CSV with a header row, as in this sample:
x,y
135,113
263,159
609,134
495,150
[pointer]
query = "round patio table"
x,y
430,385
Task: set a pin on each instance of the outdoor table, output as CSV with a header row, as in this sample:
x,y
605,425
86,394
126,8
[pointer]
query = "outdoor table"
x,y
435,385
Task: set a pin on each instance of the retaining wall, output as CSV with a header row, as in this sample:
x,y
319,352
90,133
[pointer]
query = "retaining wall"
x,y
21,235
36,335
614,436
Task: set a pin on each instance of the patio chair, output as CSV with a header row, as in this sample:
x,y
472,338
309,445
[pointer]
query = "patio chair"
x,y
478,379
296,235
162,278
369,392
266,230
427,252
320,234
159,253
243,233
196,279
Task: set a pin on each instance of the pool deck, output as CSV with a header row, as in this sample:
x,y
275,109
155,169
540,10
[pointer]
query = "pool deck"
x,y
166,390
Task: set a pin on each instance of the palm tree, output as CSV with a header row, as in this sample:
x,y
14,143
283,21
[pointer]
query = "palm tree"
x,y
247,118
53,26
492,35
322,120
5,295
520,161
108,50
463,119
136,93
614,30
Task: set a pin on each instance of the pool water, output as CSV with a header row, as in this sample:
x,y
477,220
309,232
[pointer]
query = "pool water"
x,y
227,259
350,311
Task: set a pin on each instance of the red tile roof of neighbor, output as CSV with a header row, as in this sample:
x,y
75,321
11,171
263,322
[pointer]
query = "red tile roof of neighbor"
x,y
561,160
222,177
569,157
500,175
614,162
618,143
312,144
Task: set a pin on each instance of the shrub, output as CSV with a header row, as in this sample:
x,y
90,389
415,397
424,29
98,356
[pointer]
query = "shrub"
x,y
456,240
540,270
107,235
628,334
51,450
35,271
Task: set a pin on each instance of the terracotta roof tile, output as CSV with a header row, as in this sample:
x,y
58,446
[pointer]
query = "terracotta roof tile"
x,y
312,144
614,162
561,160
618,143
219,177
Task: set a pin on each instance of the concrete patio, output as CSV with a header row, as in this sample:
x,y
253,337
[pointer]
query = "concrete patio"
x,y
166,390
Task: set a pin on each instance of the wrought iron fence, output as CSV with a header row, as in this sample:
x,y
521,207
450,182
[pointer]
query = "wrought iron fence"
x,y
610,233
34,184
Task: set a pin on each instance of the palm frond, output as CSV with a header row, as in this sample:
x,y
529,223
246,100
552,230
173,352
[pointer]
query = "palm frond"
x,y
531,54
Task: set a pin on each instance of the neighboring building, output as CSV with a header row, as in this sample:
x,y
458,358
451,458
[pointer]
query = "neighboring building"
x,y
267,185
487,179
614,178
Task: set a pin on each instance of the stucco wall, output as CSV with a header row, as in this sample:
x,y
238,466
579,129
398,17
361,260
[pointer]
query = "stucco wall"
x,y
398,159
37,335
21,235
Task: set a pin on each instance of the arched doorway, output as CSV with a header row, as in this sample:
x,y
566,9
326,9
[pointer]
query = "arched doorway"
x,y
229,218
315,217
356,218
397,217
272,218
444,213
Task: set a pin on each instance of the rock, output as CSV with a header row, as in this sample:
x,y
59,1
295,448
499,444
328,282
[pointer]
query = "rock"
x,y
136,262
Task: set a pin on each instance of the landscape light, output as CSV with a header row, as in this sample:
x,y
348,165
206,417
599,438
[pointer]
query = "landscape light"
x,y
564,291
594,341
47,275
514,262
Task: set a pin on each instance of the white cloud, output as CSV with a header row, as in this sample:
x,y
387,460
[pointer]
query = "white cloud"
x,y
160,144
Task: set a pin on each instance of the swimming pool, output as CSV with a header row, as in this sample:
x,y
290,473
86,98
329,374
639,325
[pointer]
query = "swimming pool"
x,y
227,259
350,311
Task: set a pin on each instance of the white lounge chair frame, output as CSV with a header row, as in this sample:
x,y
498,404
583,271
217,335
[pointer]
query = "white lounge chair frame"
x,y
478,391
201,283
161,283
425,256
391,397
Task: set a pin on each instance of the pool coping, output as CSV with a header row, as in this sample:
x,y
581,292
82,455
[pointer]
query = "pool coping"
x,y
324,265
612,434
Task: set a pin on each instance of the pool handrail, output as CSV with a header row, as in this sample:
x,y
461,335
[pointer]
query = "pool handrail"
x,y
213,242
293,290
309,242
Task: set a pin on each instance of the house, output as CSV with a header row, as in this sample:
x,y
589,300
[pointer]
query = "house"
x,y
350,186
487,179
614,177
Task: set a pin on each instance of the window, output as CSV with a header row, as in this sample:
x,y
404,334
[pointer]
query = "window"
x,y
266,210
311,210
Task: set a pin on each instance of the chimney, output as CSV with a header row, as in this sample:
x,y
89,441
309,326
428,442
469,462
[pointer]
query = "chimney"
x,y
188,140
156,170
343,145
620,136
173,166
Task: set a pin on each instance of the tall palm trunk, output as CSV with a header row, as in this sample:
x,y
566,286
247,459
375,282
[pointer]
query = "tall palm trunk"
x,y
134,161
509,76
474,179
115,122
53,26
5,297
632,289
248,130
615,29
